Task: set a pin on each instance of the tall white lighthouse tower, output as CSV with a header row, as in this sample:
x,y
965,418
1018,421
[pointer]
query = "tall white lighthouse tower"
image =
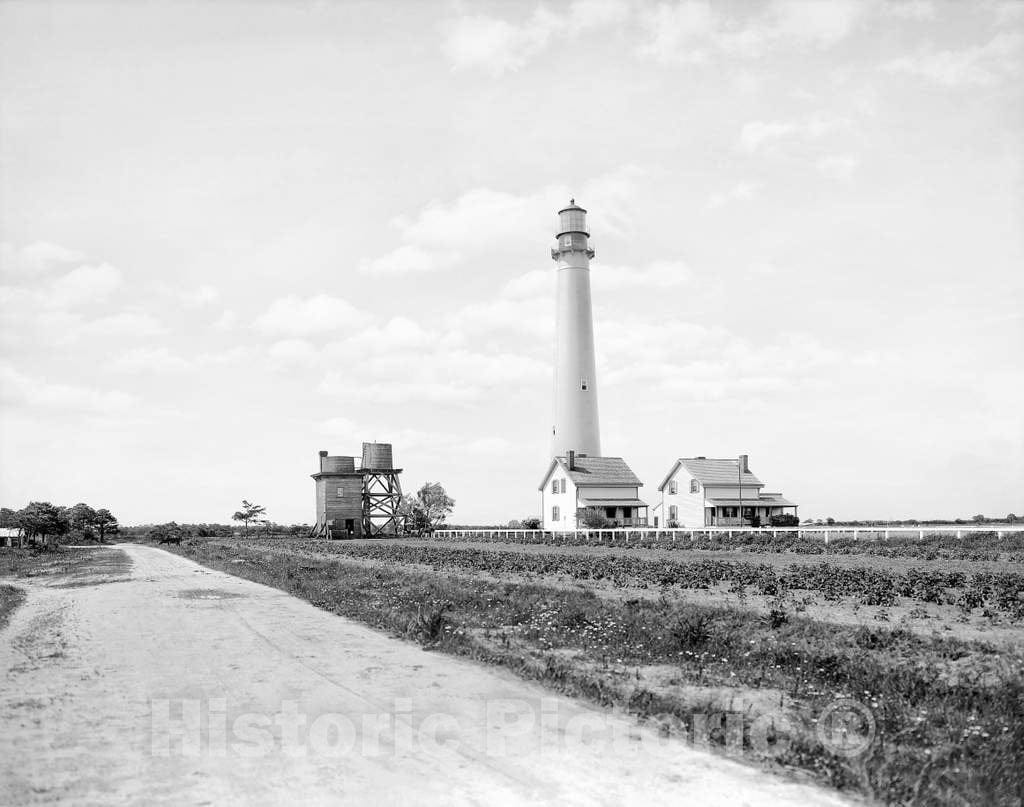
x,y
576,425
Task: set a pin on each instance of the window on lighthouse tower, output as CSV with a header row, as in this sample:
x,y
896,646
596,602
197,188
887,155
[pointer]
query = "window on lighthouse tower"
x,y
583,384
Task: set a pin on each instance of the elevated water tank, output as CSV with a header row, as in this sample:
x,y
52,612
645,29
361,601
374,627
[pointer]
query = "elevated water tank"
x,y
377,456
338,465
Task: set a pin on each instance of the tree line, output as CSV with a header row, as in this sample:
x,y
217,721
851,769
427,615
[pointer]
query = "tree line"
x,y
47,524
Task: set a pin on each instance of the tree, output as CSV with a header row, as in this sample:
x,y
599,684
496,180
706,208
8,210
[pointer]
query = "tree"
x,y
979,519
8,517
249,512
1011,518
105,523
428,509
43,520
169,533
830,521
81,518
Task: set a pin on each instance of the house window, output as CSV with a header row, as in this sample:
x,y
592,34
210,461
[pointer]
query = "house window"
x,y
583,384
673,513
729,512
609,512
694,486
554,486
341,493
673,487
555,514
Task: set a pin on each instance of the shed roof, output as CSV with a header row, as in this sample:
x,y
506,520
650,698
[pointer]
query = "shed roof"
x,y
625,502
776,501
712,472
595,471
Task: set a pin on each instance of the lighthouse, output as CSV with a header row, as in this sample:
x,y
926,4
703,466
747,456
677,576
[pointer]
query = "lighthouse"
x,y
576,427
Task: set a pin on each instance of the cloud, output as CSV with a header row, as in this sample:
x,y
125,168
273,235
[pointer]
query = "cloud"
x,y
203,295
83,286
763,135
292,353
497,46
1000,59
320,313
839,166
226,321
694,362
149,359
442,234
654,276
910,9
535,283
408,259
19,389
35,258
125,323
698,31
740,192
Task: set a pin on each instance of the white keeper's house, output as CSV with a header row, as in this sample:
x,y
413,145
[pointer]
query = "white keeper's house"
x,y
574,484
703,492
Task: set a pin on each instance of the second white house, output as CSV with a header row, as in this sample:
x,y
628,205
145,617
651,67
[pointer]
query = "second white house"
x,y
703,492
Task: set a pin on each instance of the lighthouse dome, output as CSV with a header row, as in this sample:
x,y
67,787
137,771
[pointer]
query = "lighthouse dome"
x,y
572,219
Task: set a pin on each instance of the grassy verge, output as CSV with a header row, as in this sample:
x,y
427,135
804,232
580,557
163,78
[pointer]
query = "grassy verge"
x,y
949,715
10,598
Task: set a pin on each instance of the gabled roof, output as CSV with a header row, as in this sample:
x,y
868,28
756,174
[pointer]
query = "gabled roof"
x,y
775,501
595,471
712,472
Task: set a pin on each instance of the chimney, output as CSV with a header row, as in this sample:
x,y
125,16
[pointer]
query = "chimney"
x,y
743,464
322,455
572,460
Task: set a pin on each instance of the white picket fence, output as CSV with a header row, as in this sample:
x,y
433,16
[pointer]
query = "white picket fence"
x,y
627,535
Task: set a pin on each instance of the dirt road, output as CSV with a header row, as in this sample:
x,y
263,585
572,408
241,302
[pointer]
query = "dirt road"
x,y
157,681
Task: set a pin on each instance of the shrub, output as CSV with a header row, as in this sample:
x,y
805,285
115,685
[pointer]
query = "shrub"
x,y
784,520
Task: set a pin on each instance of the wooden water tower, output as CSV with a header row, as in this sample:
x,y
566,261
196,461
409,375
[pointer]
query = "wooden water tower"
x,y
382,491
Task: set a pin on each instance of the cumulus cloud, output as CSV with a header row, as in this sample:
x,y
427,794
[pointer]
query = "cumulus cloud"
x,y
203,295
408,259
764,135
124,323
83,286
227,320
840,167
19,389
652,277
35,258
697,31
293,352
999,59
321,313
496,45
149,359
740,192
444,233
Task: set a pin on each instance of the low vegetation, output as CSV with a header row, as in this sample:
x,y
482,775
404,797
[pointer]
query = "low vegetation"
x,y
949,713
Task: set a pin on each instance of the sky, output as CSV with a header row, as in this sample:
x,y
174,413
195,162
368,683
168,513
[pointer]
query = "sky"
x,y
235,234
